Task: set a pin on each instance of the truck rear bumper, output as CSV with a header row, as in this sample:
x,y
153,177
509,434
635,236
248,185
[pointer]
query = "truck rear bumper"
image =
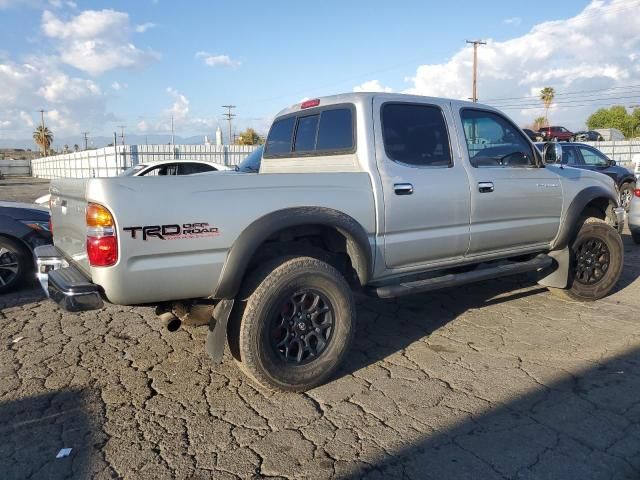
x,y
65,284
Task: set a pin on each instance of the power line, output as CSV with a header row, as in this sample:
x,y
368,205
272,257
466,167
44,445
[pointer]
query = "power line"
x,y
564,94
475,44
568,102
229,115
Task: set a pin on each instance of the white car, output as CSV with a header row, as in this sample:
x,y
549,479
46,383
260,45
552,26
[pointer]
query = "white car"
x,y
161,168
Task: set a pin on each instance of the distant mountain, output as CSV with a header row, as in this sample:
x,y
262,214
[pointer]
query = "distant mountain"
x,y
101,141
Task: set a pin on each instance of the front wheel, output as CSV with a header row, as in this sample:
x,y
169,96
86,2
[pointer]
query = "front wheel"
x,y
626,195
14,264
296,324
596,259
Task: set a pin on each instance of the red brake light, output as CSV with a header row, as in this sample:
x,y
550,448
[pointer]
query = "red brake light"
x,y
636,192
102,241
310,103
102,251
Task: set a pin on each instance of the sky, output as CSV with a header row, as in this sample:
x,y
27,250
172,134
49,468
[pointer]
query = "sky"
x,y
96,65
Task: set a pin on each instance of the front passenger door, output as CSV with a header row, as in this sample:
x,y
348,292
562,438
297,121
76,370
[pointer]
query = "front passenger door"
x,y
515,204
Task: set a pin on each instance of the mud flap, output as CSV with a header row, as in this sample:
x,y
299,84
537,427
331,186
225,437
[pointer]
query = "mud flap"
x,y
218,330
559,278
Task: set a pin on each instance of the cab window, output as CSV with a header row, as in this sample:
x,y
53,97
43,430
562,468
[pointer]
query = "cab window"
x,y
493,141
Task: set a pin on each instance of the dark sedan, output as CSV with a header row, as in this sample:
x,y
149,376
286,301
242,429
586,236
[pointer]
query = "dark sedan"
x,y
23,227
587,136
583,156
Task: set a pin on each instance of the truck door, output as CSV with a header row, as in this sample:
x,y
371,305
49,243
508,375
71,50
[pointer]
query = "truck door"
x,y
425,186
514,202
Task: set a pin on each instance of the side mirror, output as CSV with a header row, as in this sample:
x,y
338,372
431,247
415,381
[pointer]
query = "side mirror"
x,y
613,163
552,153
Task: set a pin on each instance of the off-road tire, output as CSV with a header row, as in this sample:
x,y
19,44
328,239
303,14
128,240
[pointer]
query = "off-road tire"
x,y
21,257
261,299
599,230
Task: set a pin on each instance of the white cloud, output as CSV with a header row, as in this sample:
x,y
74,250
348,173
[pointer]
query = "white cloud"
x,y
95,41
143,27
118,86
72,103
564,54
6,124
372,86
512,21
217,60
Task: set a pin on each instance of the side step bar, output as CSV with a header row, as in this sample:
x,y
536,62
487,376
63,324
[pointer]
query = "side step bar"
x,y
454,279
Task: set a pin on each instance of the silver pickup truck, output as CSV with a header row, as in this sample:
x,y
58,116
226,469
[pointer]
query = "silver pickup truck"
x,y
382,194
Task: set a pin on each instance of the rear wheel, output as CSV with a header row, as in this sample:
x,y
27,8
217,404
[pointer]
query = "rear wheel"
x,y
14,264
596,258
626,195
294,324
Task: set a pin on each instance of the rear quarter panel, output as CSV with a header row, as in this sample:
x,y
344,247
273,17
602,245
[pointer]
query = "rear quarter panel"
x,y
152,270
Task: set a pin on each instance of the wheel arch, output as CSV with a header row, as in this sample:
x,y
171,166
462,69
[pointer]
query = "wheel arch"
x,y
285,222
593,201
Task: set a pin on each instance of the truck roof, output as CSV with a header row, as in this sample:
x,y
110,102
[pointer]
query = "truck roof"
x,y
361,98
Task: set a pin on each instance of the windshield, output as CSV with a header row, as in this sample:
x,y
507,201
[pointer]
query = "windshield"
x,y
251,164
130,172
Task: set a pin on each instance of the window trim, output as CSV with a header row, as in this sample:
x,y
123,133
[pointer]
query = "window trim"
x,y
537,161
419,104
316,153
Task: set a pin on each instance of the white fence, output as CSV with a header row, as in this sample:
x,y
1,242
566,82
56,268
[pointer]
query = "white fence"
x,y
15,168
110,161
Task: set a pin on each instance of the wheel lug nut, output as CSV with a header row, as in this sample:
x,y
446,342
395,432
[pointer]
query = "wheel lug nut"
x,y
317,330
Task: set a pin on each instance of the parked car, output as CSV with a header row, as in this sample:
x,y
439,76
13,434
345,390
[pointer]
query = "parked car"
x,y
430,193
559,134
23,227
161,168
587,136
634,216
533,136
172,167
583,156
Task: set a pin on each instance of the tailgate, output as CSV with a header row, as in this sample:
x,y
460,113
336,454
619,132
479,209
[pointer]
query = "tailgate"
x,y
68,203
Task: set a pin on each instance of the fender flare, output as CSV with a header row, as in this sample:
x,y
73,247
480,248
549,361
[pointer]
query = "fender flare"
x,y
246,245
571,222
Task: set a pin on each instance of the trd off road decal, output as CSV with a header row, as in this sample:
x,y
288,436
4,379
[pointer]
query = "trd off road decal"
x,y
174,231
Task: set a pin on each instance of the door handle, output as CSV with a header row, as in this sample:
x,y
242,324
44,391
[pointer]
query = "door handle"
x,y
485,187
403,188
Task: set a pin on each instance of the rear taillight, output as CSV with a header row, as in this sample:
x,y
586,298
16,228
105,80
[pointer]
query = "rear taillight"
x,y
636,192
102,241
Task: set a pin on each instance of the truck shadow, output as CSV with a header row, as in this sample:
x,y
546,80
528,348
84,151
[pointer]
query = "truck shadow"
x,y
583,427
35,429
30,293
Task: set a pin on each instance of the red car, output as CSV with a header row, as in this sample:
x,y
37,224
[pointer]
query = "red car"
x,y
560,134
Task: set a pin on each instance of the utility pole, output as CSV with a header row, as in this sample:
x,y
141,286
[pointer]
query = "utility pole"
x,y
228,115
122,128
86,140
44,144
475,44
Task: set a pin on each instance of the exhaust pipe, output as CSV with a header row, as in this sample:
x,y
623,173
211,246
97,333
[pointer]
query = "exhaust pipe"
x,y
170,321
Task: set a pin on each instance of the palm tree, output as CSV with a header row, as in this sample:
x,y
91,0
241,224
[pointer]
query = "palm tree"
x,y
546,95
43,138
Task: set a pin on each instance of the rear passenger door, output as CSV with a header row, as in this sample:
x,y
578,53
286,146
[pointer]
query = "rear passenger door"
x,y
425,186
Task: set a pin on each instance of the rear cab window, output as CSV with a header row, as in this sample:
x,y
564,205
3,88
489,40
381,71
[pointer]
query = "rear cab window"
x,y
328,130
416,135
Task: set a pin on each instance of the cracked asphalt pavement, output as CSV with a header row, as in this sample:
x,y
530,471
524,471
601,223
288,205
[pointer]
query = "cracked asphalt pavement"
x,y
491,381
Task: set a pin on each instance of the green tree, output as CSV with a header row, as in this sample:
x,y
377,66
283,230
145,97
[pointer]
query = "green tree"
x,y
43,138
615,117
249,137
547,94
538,123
